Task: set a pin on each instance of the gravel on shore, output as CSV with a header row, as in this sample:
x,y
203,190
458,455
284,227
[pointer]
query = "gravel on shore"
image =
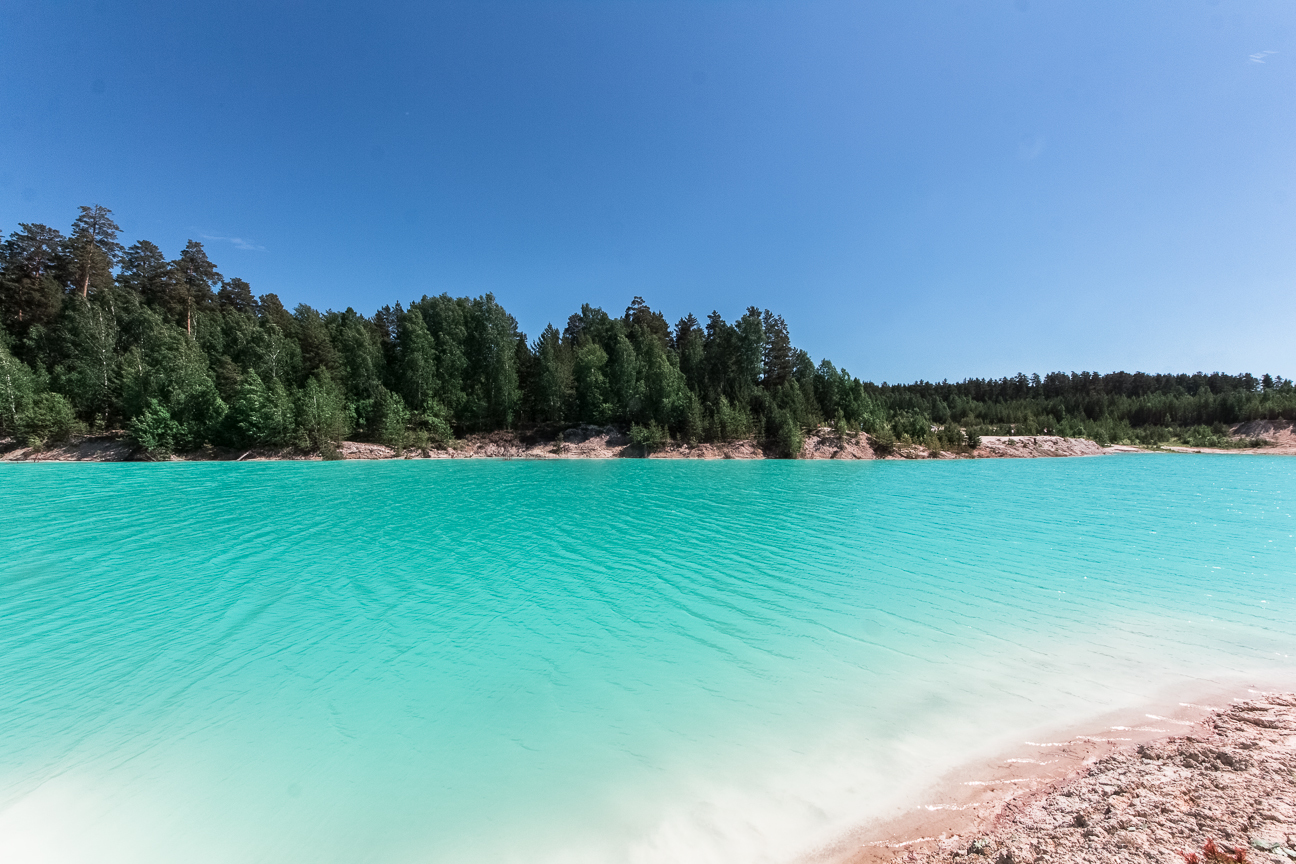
x,y
1224,793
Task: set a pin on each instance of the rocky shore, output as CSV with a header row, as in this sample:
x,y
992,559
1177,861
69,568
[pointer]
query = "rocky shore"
x,y
1224,791
581,442
609,442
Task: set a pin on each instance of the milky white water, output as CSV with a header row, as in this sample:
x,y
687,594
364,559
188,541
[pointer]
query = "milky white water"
x,y
604,661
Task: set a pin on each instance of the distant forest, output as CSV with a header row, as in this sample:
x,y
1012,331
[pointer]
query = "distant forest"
x,y
98,338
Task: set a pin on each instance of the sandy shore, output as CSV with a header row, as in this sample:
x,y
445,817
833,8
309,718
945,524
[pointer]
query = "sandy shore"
x,y
607,442
583,442
1215,779
1281,438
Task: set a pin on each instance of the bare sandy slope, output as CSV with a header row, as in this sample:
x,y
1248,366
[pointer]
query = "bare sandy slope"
x,y
594,442
607,442
1030,446
1218,784
582,442
1280,435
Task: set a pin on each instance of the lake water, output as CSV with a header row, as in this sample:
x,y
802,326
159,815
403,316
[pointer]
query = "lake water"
x,y
620,661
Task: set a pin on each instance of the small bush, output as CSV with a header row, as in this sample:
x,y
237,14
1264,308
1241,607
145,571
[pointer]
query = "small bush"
x,y
155,431
951,438
729,422
692,426
839,423
883,441
321,415
391,420
259,415
438,430
648,438
786,434
48,419
1201,436
911,427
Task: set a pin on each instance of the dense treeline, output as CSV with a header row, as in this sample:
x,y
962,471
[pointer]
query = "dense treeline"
x,y
98,336
1132,408
1117,407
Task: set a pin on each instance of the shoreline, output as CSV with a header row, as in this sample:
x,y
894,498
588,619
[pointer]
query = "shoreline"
x,y
593,442
1128,785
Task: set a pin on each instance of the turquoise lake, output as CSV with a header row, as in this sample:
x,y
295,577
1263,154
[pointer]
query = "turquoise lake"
x,y
603,661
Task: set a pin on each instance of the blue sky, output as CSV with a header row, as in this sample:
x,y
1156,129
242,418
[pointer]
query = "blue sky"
x,y
923,190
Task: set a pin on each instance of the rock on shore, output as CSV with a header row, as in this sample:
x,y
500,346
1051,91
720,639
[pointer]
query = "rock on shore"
x,y
1028,446
578,442
1226,793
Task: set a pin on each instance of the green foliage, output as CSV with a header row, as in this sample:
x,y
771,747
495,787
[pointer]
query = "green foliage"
x,y
321,416
416,360
260,416
88,371
17,389
911,427
200,412
592,392
692,423
392,421
48,419
92,250
30,294
129,339
785,434
1212,436
554,385
952,438
648,438
435,427
883,441
729,422
155,431
491,379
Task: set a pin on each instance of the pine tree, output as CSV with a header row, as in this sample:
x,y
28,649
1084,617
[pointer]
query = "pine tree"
x,y
321,415
93,250
415,361
146,272
554,385
750,346
777,354
236,295
688,344
29,293
197,274
259,415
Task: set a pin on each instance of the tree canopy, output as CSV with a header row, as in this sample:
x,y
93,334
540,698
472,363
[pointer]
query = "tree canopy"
x,y
103,337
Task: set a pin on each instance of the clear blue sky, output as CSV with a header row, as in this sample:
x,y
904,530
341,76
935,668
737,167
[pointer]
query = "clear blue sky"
x,y
923,190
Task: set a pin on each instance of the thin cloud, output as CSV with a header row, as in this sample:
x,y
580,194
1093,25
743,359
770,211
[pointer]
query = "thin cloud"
x,y
239,242
1030,147
1259,56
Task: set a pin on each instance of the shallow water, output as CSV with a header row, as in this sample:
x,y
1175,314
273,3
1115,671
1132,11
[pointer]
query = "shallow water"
x,y
634,661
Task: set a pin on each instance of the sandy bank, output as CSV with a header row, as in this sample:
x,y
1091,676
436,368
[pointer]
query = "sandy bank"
x,y
582,442
1280,439
1033,446
608,442
1218,783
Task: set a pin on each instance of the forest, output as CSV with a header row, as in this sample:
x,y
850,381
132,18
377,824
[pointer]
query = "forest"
x,y
102,338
